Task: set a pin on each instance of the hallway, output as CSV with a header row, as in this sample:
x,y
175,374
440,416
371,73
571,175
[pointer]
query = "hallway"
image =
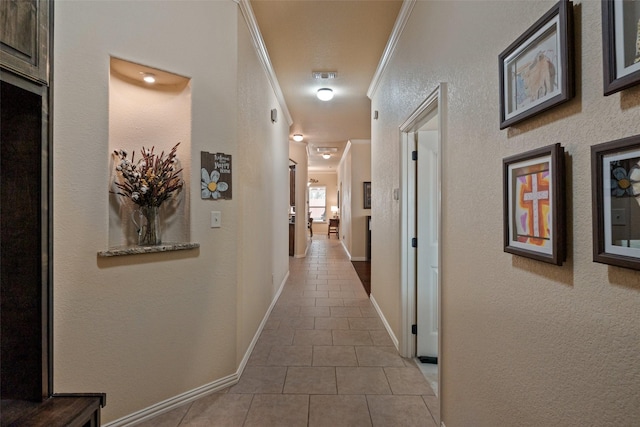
x,y
323,359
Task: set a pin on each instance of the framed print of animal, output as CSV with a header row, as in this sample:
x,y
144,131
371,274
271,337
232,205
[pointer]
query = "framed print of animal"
x,y
615,186
534,204
620,44
536,71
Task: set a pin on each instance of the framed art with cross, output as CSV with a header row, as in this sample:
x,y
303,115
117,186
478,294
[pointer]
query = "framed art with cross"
x,y
534,204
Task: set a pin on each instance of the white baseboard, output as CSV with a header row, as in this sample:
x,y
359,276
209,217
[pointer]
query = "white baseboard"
x,y
247,354
174,402
384,321
199,392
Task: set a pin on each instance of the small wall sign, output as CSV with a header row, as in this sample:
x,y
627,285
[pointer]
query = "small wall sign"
x,y
215,176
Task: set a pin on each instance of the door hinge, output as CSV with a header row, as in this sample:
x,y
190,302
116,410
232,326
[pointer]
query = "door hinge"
x,y
414,329
414,242
414,155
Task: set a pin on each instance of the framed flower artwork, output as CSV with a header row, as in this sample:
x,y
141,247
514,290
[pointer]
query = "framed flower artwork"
x,y
536,70
615,171
534,204
620,44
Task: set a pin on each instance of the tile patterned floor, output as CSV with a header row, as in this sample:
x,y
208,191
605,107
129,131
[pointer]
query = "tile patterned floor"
x,y
323,359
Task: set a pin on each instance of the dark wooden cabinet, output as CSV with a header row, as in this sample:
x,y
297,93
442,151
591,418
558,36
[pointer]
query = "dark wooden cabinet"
x,y
292,238
24,38
292,185
26,379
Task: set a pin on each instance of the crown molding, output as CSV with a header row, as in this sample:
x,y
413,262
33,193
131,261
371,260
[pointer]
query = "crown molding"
x,y
398,28
263,55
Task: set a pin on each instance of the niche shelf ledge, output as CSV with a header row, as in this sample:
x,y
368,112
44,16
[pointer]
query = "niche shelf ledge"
x,y
136,250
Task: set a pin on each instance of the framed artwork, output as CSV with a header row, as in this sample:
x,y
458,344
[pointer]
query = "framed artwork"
x,y
620,44
536,71
615,175
367,195
534,204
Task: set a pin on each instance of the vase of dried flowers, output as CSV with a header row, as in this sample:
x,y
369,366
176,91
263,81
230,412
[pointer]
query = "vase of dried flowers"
x,y
148,225
148,183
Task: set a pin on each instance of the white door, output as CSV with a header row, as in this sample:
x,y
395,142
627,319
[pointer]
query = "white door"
x,y
427,202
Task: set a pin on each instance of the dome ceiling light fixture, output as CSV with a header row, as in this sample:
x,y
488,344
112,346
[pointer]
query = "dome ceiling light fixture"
x,y
297,137
148,77
326,156
325,94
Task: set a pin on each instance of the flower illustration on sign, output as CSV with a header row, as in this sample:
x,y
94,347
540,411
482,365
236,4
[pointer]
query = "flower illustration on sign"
x,y
623,183
211,185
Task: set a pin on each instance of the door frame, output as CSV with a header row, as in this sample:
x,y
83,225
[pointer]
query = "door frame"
x,y
435,101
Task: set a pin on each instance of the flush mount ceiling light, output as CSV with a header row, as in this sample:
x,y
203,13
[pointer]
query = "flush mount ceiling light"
x,y
325,94
326,156
298,137
148,77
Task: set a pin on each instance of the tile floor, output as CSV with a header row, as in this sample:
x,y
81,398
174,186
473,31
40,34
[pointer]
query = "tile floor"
x,y
323,359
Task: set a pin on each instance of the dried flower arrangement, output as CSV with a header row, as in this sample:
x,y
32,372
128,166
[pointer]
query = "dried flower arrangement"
x,y
150,181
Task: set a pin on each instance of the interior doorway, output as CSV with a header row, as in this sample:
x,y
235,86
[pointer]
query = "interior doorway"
x,y
422,141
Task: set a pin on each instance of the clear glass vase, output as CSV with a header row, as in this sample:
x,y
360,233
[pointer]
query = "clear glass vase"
x,y
149,229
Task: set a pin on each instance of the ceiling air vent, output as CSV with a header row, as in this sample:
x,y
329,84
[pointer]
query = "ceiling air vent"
x,y
324,74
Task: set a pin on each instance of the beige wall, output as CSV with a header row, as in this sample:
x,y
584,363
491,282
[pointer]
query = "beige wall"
x,y
263,206
298,153
523,343
146,328
354,170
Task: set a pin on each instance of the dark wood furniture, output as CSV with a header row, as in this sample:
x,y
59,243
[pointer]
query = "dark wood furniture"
x,y
26,380
59,410
334,227
292,239
368,237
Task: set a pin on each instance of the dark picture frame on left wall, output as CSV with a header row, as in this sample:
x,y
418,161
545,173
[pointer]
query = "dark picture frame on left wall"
x,y
536,71
366,192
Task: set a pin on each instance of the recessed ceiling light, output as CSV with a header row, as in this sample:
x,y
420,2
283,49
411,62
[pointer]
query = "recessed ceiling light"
x,y
326,156
298,137
149,77
325,94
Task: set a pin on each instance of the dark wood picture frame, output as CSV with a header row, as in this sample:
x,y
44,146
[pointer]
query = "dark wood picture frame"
x,y
543,172
616,75
538,70
366,192
613,206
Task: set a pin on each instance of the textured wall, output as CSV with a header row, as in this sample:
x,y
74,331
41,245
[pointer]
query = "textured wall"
x,y
263,205
360,172
147,328
524,343
298,153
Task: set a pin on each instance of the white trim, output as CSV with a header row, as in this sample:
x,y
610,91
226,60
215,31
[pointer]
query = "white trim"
x,y
347,148
247,354
436,100
346,250
199,392
174,402
398,28
384,322
263,55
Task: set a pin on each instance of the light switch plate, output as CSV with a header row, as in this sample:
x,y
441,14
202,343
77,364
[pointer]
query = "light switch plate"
x,y
216,219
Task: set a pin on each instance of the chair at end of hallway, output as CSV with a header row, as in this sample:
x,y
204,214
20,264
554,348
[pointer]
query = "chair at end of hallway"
x,y
334,227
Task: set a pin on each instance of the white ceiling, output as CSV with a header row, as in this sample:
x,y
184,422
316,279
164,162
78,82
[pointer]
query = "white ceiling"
x,y
348,37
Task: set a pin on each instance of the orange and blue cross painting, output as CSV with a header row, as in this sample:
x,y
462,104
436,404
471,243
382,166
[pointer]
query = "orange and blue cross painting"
x,y
532,207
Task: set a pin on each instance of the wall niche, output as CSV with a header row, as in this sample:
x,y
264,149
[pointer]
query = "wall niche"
x,y
148,115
